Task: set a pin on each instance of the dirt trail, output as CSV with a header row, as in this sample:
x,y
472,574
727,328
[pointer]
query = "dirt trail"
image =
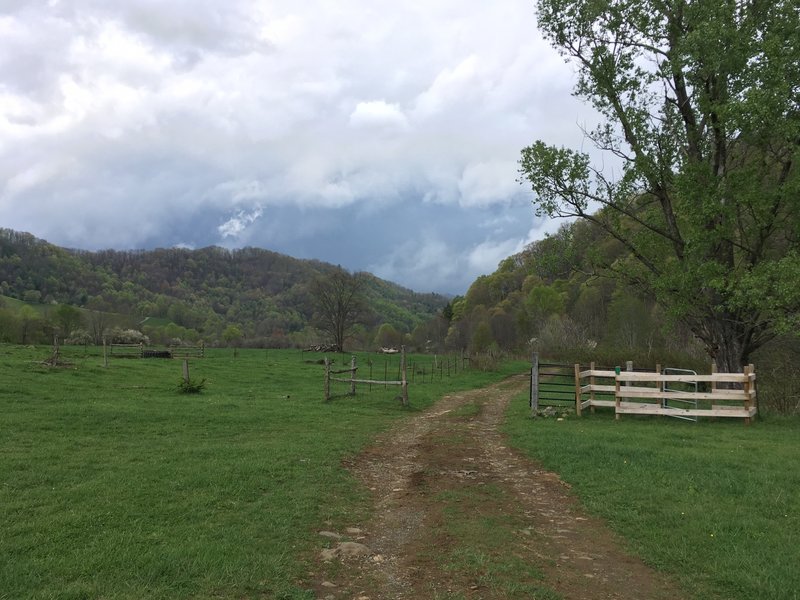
x,y
451,462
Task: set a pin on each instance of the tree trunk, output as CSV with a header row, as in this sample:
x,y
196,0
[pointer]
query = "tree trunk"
x,y
728,343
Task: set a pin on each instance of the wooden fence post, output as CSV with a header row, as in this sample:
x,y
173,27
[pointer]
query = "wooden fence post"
x,y
534,399
746,389
617,371
403,376
327,380
713,372
592,381
186,370
578,397
105,354
352,375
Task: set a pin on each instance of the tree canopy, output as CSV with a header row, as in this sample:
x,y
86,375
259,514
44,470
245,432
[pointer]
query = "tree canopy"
x,y
700,101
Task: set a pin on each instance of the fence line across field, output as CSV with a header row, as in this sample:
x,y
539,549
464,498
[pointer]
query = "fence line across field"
x,y
139,350
353,380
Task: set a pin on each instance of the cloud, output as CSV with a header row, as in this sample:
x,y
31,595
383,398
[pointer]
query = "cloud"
x,y
238,223
488,182
374,134
377,113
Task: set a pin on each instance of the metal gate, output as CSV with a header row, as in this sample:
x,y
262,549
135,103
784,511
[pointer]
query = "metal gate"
x,y
680,386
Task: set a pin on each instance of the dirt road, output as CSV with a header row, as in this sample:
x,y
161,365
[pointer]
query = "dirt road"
x,y
458,514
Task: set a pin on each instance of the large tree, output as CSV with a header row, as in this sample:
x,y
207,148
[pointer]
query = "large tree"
x,y
339,304
700,102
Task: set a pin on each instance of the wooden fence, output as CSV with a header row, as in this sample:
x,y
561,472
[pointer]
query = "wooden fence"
x,y
353,380
141,351
648,393
673,392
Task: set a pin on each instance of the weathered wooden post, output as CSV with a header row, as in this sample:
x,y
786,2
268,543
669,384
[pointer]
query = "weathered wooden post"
x,y
352,375
578,395
327,379
403,376
186,371
617,372
141,349
592,381
105,354
754,387
534,399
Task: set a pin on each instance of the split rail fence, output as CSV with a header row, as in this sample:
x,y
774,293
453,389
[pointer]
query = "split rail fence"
x,y
353,379
141,351
673,392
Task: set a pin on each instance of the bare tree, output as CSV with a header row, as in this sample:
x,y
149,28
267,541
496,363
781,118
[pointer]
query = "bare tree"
x,y
339,304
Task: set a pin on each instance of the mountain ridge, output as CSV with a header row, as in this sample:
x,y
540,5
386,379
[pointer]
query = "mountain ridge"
x,y
264,293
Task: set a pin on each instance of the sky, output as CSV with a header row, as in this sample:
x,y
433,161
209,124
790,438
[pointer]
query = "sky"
x,y
379,135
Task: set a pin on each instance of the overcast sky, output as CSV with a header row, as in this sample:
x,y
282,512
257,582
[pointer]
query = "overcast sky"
x,y
379,135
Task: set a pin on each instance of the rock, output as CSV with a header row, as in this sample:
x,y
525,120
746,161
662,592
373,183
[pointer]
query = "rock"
x,y
330,534
345,550
352,549
328,584
353,531
328,554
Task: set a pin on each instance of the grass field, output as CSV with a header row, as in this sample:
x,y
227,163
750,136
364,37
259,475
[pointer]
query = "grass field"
x,y
716,504
113,485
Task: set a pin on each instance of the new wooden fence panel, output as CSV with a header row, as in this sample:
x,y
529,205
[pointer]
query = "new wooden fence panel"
x,y
731,395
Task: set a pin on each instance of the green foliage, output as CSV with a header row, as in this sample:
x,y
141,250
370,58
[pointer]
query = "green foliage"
x,y
481,338
232,335
388,337
187,386
699,109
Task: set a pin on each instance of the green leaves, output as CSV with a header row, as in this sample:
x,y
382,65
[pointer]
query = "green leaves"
x,y
559,177
702,105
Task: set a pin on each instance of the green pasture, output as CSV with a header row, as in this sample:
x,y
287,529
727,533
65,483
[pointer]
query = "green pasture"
x,y
715,504
114,485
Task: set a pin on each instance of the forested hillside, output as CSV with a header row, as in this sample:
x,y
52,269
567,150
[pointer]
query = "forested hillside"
x,y
187,294
557,297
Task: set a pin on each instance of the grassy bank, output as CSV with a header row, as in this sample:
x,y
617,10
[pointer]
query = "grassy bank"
x,y
716,504
114,485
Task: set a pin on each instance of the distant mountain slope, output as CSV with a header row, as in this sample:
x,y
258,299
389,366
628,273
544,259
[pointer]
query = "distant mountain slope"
x,y
264,293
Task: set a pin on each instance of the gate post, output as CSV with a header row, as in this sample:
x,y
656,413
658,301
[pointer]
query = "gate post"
x,y
352,375
578,397
403,376
327,380
534,394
